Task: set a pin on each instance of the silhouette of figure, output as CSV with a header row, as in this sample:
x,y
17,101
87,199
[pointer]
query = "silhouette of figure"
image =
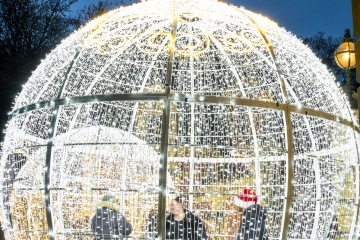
x,y
108,223
180,224
253,217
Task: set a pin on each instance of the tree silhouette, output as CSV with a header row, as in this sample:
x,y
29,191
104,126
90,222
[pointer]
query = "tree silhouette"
x,y
324,48
94,10
31,28
28,30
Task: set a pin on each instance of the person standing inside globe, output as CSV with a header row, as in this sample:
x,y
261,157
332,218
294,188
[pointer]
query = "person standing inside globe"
x,y
180,224
107,222
253,223
183,224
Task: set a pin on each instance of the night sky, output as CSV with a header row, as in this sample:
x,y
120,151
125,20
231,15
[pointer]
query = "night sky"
x,y
304,18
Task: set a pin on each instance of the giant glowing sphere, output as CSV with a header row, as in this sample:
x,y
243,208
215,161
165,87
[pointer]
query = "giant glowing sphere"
x,y
190,98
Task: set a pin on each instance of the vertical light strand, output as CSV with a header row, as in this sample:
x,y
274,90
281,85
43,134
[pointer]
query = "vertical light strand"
x,y
97,77
192,137
289,175
165,136
144,81
318,196
52,132
61,195
289,141
355,227
249,110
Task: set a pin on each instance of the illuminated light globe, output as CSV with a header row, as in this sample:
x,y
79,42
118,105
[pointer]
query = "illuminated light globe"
x,y
345,55
196,99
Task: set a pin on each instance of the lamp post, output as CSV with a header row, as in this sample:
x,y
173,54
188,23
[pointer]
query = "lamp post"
x,y
345,59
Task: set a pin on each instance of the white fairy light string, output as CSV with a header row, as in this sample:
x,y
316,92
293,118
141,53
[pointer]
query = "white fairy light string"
x,y
217,96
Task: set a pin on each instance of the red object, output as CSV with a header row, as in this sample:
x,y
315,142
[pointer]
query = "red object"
x,y
248,195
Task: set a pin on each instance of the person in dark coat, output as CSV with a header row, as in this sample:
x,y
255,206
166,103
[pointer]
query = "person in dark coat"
x,y
253,223
181,223
334,227
108,223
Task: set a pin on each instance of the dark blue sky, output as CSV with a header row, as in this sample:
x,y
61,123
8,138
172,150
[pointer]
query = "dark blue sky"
x,y
304,18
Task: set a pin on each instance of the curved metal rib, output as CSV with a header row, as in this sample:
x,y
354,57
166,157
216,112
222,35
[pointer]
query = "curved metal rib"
x,y
251,115
289,142
164,138
189,98
48,161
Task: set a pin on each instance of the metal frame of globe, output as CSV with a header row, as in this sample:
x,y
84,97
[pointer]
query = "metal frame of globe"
x,y
167,98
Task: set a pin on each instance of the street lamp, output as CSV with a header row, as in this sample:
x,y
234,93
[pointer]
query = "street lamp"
x,y
345,53
345,59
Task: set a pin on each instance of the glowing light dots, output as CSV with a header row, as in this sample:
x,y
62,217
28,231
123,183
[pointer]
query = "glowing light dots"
x,y
221,97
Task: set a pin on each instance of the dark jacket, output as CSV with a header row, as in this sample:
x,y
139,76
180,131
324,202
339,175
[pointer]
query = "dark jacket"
x,y
108,223
190,227
253,224
334,227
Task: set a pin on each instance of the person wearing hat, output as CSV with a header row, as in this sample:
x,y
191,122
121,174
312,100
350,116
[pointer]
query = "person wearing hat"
x,y
107,222
253,217
181,223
